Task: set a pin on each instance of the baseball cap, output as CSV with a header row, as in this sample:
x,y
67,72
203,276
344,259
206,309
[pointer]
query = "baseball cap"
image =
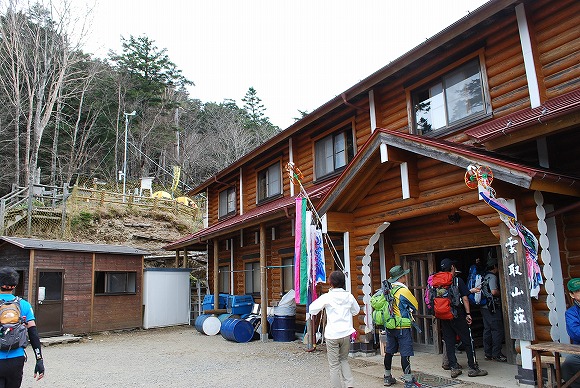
x,y
446,264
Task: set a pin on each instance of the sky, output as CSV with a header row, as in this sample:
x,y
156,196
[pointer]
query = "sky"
x,y
296,54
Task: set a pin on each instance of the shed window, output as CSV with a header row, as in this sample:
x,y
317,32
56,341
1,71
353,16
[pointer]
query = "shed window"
x,y
115,282
227,204
450,100
269,182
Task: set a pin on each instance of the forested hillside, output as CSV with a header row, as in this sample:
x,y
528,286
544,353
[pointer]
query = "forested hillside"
x,y
66,114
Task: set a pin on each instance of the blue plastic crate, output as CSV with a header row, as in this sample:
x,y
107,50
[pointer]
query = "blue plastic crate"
x,y
208,302
240,304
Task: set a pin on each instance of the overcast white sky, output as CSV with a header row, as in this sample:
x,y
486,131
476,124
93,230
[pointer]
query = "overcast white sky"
x,y
297,54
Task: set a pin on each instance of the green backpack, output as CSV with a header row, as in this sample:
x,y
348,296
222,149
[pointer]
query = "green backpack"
x,y
383,313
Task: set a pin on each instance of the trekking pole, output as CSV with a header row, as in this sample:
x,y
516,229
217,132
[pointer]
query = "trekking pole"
x,y
471,343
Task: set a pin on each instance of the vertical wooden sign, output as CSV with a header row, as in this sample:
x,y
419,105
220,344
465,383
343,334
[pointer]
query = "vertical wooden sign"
x,y
515,280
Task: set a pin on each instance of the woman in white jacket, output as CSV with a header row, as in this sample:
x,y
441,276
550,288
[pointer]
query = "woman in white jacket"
x,y
340,307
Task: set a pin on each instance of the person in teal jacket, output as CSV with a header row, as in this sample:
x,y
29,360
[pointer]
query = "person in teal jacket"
x,y
572,364
400,339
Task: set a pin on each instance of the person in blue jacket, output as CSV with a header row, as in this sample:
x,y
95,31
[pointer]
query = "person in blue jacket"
x,y
12,361
572,364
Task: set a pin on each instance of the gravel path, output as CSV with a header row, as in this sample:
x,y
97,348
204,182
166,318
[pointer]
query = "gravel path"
x,y
182,357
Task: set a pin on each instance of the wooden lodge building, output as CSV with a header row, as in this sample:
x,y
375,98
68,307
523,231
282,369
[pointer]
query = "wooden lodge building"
x,y
385,166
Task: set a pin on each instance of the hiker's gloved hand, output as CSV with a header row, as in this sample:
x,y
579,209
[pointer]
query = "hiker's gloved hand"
x,y
39,369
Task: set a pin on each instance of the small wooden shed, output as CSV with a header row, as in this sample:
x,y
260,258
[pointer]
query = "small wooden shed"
x,y
77,288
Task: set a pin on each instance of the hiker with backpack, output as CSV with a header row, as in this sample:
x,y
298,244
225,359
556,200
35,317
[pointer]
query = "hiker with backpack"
x,y
493,333
571,365
17,320
340,307
399,338
450,304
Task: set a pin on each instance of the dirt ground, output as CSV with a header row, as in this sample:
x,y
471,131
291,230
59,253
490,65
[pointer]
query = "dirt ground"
x,y
183,357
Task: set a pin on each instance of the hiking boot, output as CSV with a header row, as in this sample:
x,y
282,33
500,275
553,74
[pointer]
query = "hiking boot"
x,y
474,372
447,367
500,358
388,381
410,383
455,372
488,357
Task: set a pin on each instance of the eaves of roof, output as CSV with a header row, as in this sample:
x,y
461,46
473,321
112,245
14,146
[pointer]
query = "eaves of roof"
x,y
469,21
461,155
257,215
53,245
525,118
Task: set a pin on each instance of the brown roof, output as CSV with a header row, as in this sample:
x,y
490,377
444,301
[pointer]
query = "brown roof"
x,y
259,214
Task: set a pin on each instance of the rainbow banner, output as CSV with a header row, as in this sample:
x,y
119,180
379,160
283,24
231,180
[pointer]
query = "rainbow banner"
x,y
300,214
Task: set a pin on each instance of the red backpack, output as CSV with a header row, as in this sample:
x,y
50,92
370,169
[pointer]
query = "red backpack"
x,y
442,295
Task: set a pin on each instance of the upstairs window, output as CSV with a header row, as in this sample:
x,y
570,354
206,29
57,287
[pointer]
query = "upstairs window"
x,y
333,152
451,99
227,205
269,182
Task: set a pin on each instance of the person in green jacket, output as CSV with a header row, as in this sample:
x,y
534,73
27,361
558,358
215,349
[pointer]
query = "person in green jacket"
x,y
399,339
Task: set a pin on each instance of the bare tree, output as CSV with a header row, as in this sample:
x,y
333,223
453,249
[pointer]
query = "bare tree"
x,y
42,60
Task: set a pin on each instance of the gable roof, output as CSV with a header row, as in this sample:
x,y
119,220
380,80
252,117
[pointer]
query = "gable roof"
x,y
460,155
255,216
54,245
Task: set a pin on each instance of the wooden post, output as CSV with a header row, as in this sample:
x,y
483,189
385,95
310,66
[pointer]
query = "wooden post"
x,y
176,265
184,257
263,284
216,268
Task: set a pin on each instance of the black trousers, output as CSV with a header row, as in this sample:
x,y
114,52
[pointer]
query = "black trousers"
x,y
492,332
11,372
458,327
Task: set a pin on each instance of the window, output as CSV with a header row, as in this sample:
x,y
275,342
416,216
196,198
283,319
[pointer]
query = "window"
x,y
333,152
252,274
451,99
224,279
227,205
115,282
287,274
269,182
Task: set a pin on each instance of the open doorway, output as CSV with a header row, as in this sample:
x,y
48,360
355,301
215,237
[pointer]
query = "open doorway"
x,y
423,264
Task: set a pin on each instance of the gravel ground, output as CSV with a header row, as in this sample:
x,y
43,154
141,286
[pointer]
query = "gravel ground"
x,y
183,357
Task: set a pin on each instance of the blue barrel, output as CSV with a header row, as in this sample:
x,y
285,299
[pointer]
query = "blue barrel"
x,y
223,317
207,324
238,330
283,328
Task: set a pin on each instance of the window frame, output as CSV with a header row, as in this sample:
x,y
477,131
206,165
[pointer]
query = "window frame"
x,y
228,191
266,171
413,89
224,279
103,283
251,272
287,272
346,129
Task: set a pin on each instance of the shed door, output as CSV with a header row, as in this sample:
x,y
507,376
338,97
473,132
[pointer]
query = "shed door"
x,y
421,266
49,311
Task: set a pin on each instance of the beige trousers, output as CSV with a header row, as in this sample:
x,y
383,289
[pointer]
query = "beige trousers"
x,y
337,352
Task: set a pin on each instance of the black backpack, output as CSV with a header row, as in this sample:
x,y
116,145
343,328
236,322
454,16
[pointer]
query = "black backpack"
x,y
13,331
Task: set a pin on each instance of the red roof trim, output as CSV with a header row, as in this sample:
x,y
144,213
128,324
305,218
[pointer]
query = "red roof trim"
x,y
528,117
256,213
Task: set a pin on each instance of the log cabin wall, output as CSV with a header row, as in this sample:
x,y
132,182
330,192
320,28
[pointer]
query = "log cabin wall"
x,y
558,44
